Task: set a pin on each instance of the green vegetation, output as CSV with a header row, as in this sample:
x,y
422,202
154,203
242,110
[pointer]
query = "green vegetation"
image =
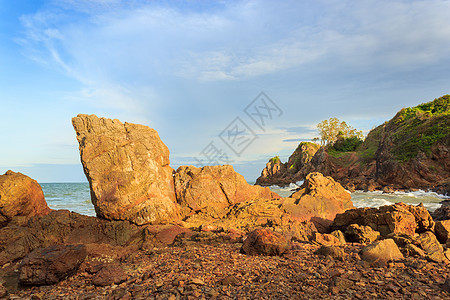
x,y
347,144
275,159
419,128
370,145
332,129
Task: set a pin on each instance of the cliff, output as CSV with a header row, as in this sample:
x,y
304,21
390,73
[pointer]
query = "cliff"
x,y
411,151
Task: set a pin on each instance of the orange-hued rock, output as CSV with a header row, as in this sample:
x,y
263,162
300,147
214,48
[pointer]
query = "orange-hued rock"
x,y
20,196
381,252
211,189
127,166
265,242
398,218
319,199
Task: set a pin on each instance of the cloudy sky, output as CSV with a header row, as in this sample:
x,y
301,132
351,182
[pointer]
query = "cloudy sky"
x,y
190,69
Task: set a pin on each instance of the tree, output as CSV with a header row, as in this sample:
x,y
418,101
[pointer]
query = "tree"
x,y
332,129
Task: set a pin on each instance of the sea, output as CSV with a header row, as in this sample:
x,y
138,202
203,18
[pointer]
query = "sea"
x,y
76,197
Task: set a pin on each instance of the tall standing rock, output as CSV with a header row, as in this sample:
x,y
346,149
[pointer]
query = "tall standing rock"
x,y
127,166
20,196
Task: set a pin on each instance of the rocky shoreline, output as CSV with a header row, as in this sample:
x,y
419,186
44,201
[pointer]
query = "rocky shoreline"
x,y
205,233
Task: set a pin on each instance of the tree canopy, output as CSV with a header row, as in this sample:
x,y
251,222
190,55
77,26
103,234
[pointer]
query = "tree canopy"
x,y
332,129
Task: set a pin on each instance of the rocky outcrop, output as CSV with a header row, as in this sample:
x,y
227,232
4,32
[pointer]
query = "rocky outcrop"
x,y
361,234
213,189
51,265
443,231
409,152
319,199
398,218
443,212
265,242
20,196
127,166
277,172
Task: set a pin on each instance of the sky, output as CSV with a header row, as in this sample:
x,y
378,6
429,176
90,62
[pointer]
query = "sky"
x,y
221,81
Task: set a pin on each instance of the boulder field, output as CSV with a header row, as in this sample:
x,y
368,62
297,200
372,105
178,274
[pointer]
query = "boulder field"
x,y
182,234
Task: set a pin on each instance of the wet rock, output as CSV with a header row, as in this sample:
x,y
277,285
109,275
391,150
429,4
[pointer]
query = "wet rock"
x,y
361,234
332,251
127,166
381,252
265,242
108,275
52,264
20,196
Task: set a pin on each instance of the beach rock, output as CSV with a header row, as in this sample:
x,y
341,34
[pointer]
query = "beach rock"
x,y
433,249
443,212
361,234
109,274
381,252
331,251
265,242
319,199
413,250
64,227
326,239
212,189
340,235
20,196
442,231
52,264
397,218
127,166
446,285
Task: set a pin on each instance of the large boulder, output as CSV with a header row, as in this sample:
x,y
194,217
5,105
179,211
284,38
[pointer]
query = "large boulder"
x,y
20,196
127,166
319,199
397,218
212,189
443,231
52,264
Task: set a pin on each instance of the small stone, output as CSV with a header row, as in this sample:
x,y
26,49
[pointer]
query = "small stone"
x,y
229,280
197,281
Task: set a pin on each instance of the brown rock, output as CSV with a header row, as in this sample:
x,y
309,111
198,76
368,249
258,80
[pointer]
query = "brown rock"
x,y
397,218
3,291
64,227
212,189
20,196
340,235
127,166
52,264
432,247
361,234
442,231
332,251
413,250
446,285
265,242
326,239
381,252
108,275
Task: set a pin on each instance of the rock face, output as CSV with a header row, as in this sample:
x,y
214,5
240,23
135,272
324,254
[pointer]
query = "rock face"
x,y
127,166
409,151
381,252
52,264
212,189
280,173
20,196
398,218
265,242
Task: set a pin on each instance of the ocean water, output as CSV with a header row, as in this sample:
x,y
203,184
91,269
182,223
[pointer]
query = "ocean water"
x,y
76,197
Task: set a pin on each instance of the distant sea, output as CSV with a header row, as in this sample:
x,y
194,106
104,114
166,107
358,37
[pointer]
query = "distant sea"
x,y
76,197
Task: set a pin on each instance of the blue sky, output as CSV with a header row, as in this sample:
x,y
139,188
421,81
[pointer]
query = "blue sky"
x,y
189,68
